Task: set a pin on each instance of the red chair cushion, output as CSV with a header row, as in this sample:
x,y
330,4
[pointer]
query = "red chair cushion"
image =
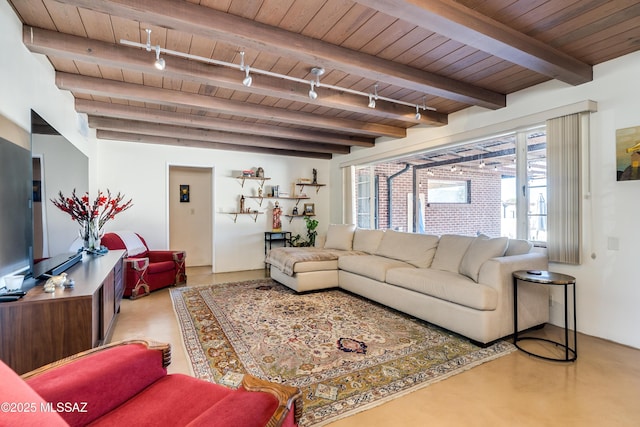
x,y
103,380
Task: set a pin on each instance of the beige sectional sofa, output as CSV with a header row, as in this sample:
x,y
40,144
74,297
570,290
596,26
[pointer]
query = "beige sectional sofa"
x,y
461,283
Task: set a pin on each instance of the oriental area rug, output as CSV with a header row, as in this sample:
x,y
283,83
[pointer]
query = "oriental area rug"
x,y
345,353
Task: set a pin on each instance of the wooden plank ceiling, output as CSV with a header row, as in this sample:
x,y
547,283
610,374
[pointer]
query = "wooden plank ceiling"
x,y
443,54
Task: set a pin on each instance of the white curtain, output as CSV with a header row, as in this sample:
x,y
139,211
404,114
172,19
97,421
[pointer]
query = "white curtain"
x,y
564,189
348,195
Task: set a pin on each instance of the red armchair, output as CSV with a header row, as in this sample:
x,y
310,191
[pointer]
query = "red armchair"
x,y
146,270
127,383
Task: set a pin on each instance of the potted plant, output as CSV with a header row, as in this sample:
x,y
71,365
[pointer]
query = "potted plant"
x,y
312,224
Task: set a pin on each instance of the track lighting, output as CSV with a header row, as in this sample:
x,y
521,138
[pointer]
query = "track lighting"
x,y
312,93
482,164
248,79
159,64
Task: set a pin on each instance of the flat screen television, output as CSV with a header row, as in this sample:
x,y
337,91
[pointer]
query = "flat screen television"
x,y
16,189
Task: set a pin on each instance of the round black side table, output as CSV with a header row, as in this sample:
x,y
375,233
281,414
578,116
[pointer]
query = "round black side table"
x,y
551,279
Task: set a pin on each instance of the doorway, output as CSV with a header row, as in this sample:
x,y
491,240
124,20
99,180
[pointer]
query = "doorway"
x,y
191,213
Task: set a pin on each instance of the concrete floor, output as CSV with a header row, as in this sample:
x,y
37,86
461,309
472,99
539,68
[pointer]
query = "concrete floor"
x,y
602,388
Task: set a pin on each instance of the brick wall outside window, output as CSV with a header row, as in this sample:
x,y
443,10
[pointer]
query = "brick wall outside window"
x,y
482,215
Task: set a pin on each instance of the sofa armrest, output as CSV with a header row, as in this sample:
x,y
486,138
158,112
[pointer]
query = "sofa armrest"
x,y
100,379
498,272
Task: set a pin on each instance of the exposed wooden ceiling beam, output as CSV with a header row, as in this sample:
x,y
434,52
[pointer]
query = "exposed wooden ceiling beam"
x,y
160,96
52,43
209,23
170,131
119,111
150,139
457,22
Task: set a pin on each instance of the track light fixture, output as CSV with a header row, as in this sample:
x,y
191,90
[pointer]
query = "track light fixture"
x,y
482,164
159,64
247,78
247,81
312,93
374,97
316,71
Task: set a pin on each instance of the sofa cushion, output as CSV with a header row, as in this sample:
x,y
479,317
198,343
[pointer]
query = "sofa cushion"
x,y
451,249
371,266
445,285
518,247
189,397
480,250
340,236
415,249
367,240
306,266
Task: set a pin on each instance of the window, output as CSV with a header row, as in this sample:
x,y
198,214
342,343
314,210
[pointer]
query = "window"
x,y
496,186
364,200
441,191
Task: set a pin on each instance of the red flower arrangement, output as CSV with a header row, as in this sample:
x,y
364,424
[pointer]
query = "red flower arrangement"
x,y
92,216
103,207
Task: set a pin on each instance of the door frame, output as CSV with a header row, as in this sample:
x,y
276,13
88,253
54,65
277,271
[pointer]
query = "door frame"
x,y
212,168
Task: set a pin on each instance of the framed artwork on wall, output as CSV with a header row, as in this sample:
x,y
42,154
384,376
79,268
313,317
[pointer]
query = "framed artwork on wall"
x,y
184,193
309,209
628,153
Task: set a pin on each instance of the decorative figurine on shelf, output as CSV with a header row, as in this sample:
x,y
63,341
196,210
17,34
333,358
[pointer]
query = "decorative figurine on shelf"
x,y
295,211
260,173
53,281
242,204
315,176
277,223
260,192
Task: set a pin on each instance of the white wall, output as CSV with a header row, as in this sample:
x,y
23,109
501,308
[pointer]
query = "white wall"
x,y
27,81
64,169
608,286
141,171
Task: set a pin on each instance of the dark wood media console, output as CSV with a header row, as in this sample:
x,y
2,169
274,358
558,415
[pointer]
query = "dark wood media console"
x,y
44,327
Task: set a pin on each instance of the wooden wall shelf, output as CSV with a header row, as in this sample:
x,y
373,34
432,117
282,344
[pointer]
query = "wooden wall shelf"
x,y
296,216
252,178
254,215
261,198
302,185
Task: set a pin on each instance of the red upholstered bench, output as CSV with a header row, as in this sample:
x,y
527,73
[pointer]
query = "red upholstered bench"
x,y
146,270
127,384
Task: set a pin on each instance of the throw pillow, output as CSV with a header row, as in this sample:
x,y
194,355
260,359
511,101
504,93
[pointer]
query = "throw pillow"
x,y
340,236
518,247
415,249
367,240
451,249
480,250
